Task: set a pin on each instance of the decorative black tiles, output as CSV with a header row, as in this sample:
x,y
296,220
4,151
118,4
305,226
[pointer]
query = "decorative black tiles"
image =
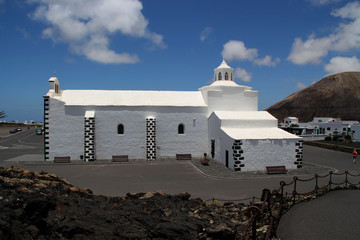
x,y
46,127
298,153
89,139
151,139
237,151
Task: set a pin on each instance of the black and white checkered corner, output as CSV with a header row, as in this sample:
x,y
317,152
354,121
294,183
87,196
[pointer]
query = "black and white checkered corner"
x,y
299,154
237,154
46,127
89,139
151,139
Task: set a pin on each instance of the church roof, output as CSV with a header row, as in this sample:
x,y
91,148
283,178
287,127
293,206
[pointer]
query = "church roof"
x,y
258,133
244,115
224,65
251,125
229,83
132,98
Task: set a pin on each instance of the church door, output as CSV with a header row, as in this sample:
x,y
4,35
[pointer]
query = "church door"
x,y
227,158
212,148
151,138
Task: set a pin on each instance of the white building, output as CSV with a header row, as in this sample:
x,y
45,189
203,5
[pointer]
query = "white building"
x,y
288,121
221,119
356,132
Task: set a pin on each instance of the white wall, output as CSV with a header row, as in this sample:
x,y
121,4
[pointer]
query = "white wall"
x,y
259,154
356,135
66,130
230,98
132,143
215,133
222,142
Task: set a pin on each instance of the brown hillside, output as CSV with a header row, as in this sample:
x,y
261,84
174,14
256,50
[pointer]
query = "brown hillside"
x,y
336,95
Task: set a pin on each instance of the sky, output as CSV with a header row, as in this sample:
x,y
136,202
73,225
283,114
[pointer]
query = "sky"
x,y
276,47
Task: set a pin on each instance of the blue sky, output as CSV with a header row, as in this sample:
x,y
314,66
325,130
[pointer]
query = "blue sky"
x,y
276,47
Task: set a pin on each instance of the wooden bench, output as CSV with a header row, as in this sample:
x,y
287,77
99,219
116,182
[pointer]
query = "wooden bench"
x,y
61,159
183,157
276,169
205,161
120,158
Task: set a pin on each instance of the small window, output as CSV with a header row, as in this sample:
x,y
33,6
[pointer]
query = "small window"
x,y
328,128
226,76
181,128
220,77
231,77
120,129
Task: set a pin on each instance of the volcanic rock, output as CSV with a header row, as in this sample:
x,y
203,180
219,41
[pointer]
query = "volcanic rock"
x,y
44,206
335,96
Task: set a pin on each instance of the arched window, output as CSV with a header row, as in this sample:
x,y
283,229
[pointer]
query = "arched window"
x,y
226,76
120,129
220,77
181,128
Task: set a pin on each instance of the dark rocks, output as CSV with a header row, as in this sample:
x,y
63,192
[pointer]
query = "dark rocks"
x,y
44,206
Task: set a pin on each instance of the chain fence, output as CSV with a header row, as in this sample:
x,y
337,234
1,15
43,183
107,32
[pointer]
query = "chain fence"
x,y
273,204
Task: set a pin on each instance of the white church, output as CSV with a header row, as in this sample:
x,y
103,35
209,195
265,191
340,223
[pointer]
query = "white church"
x,y
221,119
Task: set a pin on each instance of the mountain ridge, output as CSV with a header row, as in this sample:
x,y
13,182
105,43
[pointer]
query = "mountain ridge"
x,y
336,95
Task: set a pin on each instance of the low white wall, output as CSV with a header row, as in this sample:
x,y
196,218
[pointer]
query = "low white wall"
x,y
259,154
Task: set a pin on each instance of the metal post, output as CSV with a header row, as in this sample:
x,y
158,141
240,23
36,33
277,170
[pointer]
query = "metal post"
x,y
294,192
346,179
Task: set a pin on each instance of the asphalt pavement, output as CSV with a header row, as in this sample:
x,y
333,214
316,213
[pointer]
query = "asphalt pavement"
x,y
25,149
334,216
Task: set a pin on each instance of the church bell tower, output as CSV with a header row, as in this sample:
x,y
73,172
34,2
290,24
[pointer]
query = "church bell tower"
x,y
224,72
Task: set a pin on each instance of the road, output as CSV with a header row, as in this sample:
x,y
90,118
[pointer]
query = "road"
x,y
20,143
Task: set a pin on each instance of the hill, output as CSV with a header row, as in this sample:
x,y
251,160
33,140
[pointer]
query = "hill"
x,y
336,96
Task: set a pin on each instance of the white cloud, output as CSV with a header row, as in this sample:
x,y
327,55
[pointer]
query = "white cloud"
x,y
344,38
348,35
205,33
343,64
300,85
322,2
236,50
86,25
267,61
242,74
309,51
